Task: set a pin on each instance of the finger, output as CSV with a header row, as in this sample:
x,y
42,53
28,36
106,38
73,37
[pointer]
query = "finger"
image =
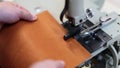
x,y
27,15
18,6
24,13
60,64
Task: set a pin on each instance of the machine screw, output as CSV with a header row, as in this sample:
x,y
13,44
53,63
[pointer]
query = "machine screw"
x,y
89,12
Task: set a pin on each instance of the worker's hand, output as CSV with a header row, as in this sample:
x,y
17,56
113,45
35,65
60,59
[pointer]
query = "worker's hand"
x,y
49,64
11,13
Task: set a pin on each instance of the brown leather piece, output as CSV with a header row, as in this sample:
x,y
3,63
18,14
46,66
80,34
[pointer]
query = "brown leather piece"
x,y
25,43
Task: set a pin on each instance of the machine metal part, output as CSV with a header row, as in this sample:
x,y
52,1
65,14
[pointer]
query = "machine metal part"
x,y
96,31
79,15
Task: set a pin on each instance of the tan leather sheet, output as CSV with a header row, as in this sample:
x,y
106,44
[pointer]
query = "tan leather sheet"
x,y
24,43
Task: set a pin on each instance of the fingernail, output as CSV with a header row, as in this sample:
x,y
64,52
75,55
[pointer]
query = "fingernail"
x,y
34,18
61,62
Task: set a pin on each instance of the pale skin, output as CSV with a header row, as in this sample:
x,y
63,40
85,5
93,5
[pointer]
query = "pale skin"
x,y
49,64
11,13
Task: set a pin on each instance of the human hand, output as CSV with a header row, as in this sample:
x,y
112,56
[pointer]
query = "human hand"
x,y
11,13
49,64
